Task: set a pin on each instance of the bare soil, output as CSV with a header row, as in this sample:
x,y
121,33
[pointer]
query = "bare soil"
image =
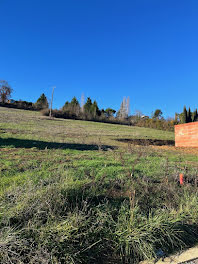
x,y
148,142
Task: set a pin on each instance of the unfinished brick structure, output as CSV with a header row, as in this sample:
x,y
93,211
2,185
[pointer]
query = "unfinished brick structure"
x,y
186,135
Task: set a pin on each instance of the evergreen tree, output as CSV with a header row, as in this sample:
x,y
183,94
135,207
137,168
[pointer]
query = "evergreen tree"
x,y
74,102
66,105
193,115
87,106
42,102
75,106
185,118
196,115
95,110
189,116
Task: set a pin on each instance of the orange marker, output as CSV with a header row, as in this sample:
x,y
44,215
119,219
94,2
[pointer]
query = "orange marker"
x,y
181,178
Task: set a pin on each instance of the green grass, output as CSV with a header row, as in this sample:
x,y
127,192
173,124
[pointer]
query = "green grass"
x,y
71,192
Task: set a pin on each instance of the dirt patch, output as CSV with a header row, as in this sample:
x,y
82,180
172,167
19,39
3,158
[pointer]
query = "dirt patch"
x,y
148,142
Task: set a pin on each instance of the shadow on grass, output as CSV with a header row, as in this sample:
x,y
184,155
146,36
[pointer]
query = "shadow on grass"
x,y
148,142
27,143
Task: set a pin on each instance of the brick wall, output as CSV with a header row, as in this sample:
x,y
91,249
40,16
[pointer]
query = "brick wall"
x,y
186,135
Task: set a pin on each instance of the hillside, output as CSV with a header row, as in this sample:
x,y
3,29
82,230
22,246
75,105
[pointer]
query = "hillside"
x,y
86,192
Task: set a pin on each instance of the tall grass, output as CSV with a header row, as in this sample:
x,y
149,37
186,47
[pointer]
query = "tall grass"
x,y
66,221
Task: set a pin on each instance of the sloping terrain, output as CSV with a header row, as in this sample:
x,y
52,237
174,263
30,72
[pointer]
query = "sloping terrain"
x,y
86,192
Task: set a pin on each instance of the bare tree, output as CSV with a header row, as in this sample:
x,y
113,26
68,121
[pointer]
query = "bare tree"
x,y
82,103
5,91
128,106
138,113
124,108
122,113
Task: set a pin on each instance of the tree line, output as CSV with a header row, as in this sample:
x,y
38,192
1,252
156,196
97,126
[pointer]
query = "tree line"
x,y
89,110
187,116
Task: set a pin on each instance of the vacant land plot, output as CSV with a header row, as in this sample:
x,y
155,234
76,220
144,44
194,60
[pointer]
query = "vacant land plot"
x,y
87,192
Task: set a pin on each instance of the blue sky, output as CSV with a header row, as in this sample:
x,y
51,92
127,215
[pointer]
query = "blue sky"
x,y
106,49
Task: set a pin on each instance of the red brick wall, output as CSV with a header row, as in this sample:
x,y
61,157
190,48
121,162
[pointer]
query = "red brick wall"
x,y
186,135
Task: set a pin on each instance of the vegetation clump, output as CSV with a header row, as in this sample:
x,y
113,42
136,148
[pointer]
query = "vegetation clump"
x,y
5,91
42,102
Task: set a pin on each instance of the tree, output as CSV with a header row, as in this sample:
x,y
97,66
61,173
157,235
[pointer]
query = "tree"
x,y
177,118
195,115
189,116
103,113
5,91
95,110
42,102
185,119
128,106
109,112
75,106
124,108
82,103
74,102
138,114
122,113
157,114
87,106
66,105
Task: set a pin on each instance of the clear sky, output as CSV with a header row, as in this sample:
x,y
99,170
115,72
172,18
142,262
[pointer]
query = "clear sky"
x,y
106,49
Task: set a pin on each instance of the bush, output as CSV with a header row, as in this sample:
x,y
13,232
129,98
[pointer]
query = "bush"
x,y
156,124
20,105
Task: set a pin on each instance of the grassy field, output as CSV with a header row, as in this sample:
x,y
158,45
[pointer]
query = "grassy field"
x,y
82,192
